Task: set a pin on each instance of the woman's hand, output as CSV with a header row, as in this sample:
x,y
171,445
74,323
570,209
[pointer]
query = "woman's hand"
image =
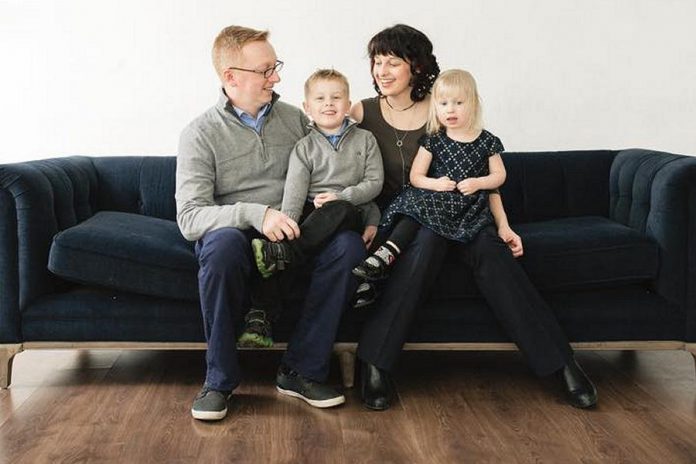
x,y
322,198
468,186
369,235
512,240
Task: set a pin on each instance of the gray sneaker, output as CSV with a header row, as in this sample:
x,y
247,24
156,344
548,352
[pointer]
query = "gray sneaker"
x,y
291,383
210,405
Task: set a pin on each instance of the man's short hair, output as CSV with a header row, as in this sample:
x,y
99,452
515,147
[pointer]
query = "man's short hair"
x,y
230,40
325,74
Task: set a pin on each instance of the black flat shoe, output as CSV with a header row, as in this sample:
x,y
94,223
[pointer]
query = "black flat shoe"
x,y
579,389
375,387
365,295
369,272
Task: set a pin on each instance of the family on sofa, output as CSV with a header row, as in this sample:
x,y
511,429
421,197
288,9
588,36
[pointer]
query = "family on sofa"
x,y
269,197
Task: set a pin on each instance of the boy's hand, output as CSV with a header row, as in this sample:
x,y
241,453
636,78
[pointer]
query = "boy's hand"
x,y
468,186
512,240
444,184
369,235
322,198
277,226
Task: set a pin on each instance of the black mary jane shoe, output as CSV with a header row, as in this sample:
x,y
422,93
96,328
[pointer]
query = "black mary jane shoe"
x,y
579,389
375,387
370,272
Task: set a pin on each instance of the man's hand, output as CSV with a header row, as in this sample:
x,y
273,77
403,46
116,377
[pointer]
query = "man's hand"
x,y
468,186
322,198
512,240
444,184
369,235
278,226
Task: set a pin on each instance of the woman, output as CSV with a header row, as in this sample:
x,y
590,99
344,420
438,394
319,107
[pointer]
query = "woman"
x,y
403,72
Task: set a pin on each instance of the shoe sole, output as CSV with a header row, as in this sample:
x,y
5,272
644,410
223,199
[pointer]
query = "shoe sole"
x,y
252,340
360,274
375,408
331,402
257,247
362,303
209,415
589,404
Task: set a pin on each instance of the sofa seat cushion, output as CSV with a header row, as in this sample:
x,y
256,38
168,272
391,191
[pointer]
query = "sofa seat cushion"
x,y
128,252
586,252
568,254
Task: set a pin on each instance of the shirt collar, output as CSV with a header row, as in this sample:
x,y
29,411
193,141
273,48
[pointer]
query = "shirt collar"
x,y
224,103
335,138
344,126
262,112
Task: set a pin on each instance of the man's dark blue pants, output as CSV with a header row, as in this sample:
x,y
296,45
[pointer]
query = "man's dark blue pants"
x,y
226,267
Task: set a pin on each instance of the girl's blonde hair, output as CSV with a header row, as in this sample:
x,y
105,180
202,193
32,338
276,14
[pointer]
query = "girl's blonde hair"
x,y
456,83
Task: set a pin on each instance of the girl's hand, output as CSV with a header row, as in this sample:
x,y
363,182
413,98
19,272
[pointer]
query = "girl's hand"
x,y
444,184
369,235
322,198
512,240
468,186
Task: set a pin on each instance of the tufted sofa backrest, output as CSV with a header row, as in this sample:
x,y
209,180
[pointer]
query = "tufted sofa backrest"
x,y
142,185
539,185
550,185
631,184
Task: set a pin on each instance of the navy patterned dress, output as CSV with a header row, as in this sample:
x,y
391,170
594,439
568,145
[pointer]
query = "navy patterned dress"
x,y
452,215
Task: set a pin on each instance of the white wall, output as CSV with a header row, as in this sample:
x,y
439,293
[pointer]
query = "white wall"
x,y
119,77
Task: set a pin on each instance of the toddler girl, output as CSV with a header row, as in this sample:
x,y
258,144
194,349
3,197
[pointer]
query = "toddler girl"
x,y
456,166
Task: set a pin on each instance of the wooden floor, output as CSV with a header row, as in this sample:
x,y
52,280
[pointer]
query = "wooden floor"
x,y
133,407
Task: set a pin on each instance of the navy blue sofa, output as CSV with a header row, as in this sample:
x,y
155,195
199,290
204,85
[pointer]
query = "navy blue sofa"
x,y
90,257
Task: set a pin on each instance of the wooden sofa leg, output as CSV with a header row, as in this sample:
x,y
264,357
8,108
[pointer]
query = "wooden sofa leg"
x,y
7,354
691,348
346,359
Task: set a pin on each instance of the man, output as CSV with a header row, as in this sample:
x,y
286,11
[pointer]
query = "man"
x,y
230,176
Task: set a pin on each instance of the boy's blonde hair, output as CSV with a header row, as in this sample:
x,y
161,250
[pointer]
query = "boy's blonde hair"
x,y
456,83
325,75
229,43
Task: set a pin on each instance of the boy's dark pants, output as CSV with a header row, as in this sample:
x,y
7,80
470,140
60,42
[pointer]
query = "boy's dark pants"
x,y
316,230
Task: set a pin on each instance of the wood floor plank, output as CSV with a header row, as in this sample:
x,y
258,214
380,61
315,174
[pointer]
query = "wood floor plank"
x,y
133,406
384,436
483,412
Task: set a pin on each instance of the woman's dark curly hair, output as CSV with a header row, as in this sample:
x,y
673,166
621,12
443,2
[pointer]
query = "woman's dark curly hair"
x,y
413,46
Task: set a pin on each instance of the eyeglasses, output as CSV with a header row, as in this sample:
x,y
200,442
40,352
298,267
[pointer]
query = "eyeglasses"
x,y
266,73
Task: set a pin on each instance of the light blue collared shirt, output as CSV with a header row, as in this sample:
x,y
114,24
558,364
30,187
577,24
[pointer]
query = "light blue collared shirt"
x,y
250,121
334,138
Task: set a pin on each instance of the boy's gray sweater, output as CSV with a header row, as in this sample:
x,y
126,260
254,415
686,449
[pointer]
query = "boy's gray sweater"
x,y
353,171
227,174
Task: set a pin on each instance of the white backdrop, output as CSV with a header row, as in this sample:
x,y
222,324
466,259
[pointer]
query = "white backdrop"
x,y
122,77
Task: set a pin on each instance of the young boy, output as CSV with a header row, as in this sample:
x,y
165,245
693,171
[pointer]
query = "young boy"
x,y
334,174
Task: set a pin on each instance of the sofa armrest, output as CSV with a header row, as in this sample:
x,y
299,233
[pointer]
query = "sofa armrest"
x,y
655,193
37,199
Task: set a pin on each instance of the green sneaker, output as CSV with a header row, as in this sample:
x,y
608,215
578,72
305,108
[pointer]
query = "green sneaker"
x,y
270,256
257,330
209,405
